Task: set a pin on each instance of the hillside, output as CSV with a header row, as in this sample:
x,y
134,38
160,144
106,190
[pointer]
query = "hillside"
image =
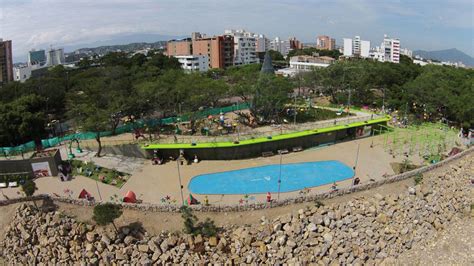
x,y
451,55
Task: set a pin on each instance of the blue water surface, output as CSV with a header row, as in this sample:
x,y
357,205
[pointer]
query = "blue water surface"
x,y
263,179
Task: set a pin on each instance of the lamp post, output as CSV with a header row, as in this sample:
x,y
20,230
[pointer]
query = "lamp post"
x,y
357,157
180,184
279,177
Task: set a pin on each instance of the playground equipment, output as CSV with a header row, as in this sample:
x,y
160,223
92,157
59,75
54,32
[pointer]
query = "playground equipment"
x,y
428,140
78,148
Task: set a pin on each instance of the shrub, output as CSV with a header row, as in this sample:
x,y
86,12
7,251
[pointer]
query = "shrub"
x,y
29,188
206,228
318,203
418,178
106,213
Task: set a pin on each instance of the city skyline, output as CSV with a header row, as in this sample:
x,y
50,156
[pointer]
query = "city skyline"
x,y
428,25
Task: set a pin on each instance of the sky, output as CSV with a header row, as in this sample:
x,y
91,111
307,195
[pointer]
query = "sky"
x,y
420,24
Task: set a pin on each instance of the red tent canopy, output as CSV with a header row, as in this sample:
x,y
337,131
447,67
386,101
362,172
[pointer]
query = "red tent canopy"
x,y
84,194
130,197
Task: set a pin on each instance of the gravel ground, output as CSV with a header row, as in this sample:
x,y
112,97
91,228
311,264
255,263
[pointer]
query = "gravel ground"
x,y
453,246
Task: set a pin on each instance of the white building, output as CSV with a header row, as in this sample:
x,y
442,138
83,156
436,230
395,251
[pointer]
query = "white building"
x,y
244,47
191,63
364,49
282,46
304,63
347,47
356,47
262,43
407,52
55,57
21,73
391,49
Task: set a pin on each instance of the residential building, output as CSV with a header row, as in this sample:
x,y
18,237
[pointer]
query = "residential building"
x,y
282,46
219,50
295,44
262,43
179,47
303,63
324,42
244,47
356,47
407,52
348,51
364,49
22,73
391,49
55,57
192,63
6,61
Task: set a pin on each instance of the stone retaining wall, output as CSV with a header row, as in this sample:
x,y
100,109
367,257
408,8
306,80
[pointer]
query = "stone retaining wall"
x,y
255,206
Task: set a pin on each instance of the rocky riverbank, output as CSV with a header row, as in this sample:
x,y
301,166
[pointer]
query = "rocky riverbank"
x,y
361,231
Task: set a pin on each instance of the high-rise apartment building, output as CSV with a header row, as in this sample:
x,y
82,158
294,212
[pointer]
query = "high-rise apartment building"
x,y
219,50
244,47
6,61
391,49
282,46
55,57
36,57
324,42
262,44
179,47
356,47
295,44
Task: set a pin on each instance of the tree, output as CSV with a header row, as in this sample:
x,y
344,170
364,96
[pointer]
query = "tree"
x,y
270,97
29,188
276,56
22,120
106,213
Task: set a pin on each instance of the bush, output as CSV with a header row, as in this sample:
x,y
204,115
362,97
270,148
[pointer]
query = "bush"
x,y
106,213
29,188
206,228
318,203
418,178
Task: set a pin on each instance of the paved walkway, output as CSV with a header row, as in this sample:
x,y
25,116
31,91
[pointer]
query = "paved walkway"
x,y
152,183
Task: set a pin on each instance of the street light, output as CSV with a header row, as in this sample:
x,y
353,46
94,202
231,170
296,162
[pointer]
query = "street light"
x,y
279,177
180,184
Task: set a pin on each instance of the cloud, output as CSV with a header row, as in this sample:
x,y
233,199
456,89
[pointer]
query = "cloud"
x,y
39,23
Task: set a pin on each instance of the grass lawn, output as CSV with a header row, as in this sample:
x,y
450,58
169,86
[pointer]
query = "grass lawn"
x,y
101,174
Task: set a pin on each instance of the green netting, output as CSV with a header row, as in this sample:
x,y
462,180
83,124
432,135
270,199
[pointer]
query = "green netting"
x,y
52,142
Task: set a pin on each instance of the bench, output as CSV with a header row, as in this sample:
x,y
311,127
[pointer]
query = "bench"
x,y
283,151
12,184
3,185
267,154
297,149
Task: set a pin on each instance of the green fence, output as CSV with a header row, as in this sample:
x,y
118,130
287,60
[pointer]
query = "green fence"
x,y
52,142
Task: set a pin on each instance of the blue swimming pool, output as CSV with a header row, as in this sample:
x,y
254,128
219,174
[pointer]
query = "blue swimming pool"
x,y
263,179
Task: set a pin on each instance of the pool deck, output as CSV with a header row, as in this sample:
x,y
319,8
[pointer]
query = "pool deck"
x,y
151,183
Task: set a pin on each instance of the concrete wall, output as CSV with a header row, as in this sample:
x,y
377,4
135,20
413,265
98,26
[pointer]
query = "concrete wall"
x,y
256,150
21,166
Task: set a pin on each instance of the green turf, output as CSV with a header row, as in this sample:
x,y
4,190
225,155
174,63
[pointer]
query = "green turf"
x,y
262,139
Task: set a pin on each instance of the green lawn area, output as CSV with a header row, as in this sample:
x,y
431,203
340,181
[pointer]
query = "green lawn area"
x,y
101,174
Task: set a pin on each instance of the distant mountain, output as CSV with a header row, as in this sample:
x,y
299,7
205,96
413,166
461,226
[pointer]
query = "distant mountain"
x,y
115,40
122,39
451,55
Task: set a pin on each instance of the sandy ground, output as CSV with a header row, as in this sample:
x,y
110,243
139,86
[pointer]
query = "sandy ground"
x,y
152,183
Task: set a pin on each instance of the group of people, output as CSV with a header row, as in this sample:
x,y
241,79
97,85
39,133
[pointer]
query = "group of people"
x,y
65,171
